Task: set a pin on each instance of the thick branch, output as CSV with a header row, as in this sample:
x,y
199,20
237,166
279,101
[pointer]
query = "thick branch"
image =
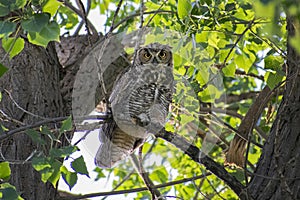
x,y
46,121
237,147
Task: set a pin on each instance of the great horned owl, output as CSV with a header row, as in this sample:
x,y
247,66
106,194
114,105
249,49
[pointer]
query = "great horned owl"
x,y
139,103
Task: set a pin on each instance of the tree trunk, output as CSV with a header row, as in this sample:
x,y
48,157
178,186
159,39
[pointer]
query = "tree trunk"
x,y
39,84
31,84
278,171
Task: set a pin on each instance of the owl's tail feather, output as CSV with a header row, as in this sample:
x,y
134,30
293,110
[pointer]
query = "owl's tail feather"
x,y
115,146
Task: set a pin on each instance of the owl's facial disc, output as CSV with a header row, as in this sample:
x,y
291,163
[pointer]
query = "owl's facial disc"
x,y
145,55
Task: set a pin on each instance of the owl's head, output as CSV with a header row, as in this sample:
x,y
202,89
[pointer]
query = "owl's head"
x,y
154,53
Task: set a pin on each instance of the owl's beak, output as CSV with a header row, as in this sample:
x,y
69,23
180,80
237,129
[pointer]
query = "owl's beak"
x,y
155,61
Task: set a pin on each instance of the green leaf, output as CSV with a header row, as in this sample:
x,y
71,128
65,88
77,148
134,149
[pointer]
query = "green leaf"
x,y
55,167
169,127
69,19
45,130
239,175
273,79
66,125
100,174
274,62
10,5
3,69
79,166
13,46
243,62
49,169
20,3
160,175
51,7
214,39
69,177
6,28
62,152
4,170
184,8
202,37
229,70
35,136
8,193
209,94
40,163
4,10
49,33
46,174
184,119
36,22
265,10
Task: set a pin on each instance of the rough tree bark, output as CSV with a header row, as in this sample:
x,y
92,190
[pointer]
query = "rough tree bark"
x,y
41,83
278,171
33,83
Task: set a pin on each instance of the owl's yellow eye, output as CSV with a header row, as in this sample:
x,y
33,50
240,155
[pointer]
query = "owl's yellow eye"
x,y
162,54
147,55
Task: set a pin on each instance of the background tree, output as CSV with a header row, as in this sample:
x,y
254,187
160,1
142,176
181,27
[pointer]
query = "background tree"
x,y
246,42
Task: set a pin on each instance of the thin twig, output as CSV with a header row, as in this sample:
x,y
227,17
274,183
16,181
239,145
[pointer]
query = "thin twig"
x,y
84,14
141,13
8,118
271,44
21,108
234,114
23,128
134,190
198,190
156,12
138,14
247,152
229,53
71,7
47,121
88,8
82,138
120,183
115,16
237,41
137,163
99,60
214,189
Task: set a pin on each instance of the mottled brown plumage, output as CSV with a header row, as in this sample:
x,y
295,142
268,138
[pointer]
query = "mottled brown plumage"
x,y
139,103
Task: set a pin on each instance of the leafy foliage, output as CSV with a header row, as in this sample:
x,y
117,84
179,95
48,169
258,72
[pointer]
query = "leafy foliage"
x,y
49,161
7,191
25,17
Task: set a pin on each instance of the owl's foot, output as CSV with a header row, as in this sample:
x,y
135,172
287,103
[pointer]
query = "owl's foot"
x,y
141,120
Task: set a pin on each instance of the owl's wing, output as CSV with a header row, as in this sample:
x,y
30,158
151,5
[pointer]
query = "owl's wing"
x,y
124,84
